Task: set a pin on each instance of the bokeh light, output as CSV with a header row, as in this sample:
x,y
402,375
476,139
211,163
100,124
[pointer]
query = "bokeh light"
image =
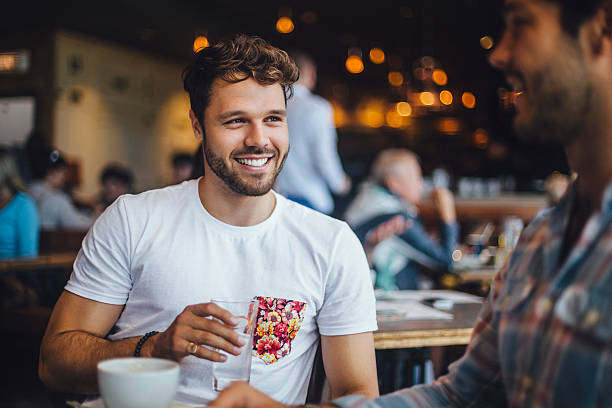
x,y
439,77
284,25
427,98
486,42
395,78
377,56
446,97
354,64
469,100
372,113
481,138
341,117
403,109
200,43
393,119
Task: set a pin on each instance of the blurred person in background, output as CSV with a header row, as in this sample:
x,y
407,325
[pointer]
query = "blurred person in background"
x,y
313,166
55,207
19,227
182,167
395,189
116,180
19,232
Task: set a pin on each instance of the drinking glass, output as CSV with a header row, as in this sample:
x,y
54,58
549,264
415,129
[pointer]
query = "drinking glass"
x,y
236,368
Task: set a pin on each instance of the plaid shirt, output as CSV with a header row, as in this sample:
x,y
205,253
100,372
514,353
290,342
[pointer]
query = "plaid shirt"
x,y
544,335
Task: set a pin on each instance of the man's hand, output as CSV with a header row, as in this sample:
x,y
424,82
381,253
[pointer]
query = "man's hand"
x,y
204,324
241,395
445,204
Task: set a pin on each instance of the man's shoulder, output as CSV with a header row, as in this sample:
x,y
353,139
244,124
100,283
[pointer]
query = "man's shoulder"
x,y
161,195
310,220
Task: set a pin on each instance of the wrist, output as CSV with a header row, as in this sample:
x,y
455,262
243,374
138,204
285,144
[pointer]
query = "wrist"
x,y
145,345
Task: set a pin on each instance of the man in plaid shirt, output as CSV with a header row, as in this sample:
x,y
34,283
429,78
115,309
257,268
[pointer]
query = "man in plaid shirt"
x,y
544,335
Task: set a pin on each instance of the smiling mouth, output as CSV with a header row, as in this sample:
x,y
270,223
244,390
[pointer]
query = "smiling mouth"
x,y
518,88
254,162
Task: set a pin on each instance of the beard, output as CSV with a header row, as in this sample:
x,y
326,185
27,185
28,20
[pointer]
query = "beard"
x,y
260,183
559,99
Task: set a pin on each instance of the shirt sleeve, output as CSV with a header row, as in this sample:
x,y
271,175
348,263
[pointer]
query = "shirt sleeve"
x,y
28,229
349,306
475,380
440,252
325,148
102,268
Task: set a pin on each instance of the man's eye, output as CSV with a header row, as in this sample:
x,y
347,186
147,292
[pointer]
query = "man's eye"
x,y
516,23
234,121
274,119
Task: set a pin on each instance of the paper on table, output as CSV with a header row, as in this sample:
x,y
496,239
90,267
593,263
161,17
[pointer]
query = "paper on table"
x,y
419,295
98,403
408,310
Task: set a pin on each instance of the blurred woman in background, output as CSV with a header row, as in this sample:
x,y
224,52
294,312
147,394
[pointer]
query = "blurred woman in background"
x,y
19,226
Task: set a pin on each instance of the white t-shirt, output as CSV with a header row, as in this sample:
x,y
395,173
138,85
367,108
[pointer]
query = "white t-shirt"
x,y
160,251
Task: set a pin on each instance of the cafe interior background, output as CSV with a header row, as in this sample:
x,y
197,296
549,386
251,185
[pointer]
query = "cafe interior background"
x,y
101,81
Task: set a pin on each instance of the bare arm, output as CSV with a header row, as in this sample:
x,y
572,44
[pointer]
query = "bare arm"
x,y
242,395
350,364
75,342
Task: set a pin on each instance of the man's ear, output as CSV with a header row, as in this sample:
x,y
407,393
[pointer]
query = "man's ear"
x,y
196,126
599,29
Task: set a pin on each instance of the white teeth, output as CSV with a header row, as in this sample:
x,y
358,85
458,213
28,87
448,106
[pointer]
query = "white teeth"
x,y
252,162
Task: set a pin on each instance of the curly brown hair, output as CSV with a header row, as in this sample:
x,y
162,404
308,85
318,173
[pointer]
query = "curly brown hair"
x,y
235,60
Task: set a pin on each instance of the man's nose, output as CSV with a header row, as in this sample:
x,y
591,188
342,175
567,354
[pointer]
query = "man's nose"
x,y
500,55
256,136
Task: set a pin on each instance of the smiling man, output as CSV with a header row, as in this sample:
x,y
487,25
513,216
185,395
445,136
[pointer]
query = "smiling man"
x,y
544,335
143,279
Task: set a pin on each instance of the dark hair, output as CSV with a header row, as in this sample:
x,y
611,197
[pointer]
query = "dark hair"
x,y
182,159
55,161
575,12
117,172
235,60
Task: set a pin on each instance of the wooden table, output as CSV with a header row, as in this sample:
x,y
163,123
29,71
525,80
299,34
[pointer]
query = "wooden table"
x,y
483,275
425,333
494,209
49,261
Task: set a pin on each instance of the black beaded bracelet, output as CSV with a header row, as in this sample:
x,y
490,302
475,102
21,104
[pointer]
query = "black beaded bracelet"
x,y
142,341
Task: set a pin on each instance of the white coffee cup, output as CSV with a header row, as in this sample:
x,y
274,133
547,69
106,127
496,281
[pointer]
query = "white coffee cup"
x,y
138,382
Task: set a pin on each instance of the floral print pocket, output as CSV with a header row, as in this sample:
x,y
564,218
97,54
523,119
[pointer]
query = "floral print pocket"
x,y
278,321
